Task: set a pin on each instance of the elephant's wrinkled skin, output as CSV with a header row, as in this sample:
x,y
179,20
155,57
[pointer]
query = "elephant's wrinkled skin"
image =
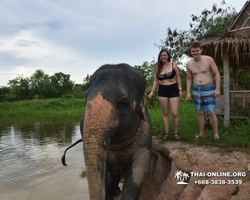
x,y
116,131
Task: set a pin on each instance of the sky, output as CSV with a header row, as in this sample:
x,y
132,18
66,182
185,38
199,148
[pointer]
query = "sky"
x,y
77,37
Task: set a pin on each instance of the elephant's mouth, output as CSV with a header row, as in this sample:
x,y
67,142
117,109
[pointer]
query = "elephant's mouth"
x,y
124,145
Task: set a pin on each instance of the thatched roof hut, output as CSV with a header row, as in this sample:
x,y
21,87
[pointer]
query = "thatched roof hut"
x,y
236,41
231,49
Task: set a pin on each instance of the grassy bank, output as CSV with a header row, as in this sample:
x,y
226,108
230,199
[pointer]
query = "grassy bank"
x,y
235,135
39,107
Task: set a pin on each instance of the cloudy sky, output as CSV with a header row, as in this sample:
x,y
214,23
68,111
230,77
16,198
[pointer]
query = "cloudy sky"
x,y
76,37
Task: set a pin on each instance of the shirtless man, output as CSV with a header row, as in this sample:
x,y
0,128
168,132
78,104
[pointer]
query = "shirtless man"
x,y
201,68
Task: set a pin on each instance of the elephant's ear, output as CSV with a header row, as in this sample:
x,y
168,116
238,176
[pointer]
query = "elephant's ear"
x,y
142,108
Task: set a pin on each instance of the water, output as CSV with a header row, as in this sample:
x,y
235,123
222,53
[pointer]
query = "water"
x,y
30,145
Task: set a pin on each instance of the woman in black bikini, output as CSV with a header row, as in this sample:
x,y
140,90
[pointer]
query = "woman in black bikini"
x,y
166,75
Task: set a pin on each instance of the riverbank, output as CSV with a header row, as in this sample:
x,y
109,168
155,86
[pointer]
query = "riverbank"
x,y
234,135
61,183
64,183
41,107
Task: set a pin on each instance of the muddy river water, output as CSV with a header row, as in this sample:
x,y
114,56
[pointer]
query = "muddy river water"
x,y
30,158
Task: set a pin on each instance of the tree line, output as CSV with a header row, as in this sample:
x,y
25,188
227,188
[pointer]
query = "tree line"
x,y
42,86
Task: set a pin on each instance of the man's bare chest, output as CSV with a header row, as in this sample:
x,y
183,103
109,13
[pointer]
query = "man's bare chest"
x,y
199,68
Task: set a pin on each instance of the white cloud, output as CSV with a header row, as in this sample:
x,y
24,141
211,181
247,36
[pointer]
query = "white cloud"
x,y
77,37
37,53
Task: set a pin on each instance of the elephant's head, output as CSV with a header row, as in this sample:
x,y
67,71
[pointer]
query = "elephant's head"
x,y
114,108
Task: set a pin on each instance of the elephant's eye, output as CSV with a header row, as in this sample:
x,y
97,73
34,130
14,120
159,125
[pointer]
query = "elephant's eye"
x,y
122,104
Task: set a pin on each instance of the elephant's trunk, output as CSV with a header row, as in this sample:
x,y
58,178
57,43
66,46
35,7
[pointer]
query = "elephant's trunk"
x,y
95,167
99,123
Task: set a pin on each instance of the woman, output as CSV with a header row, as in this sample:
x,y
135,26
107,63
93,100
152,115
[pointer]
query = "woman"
x,y
167,76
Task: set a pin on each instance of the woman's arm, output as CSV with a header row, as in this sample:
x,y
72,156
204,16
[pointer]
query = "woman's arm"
x,y
189,82
178,79
155,84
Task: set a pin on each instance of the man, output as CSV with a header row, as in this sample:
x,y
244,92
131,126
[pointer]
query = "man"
x,y
201,68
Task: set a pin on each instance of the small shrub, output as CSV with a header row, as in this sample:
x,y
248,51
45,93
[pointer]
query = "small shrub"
x,y
83,174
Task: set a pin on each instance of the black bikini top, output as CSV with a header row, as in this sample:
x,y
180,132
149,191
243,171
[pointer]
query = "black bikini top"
x,y
168,75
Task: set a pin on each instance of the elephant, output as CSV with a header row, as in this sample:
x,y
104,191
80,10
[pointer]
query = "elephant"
x,y
116,133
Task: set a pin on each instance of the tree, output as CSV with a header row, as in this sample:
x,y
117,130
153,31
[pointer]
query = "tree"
x,y
183,75
147,70
4,93
78,91
37,83
244,78
86,82
20,88
208,24
61,84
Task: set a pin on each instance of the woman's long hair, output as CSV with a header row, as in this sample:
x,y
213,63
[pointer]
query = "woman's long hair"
x,y
159,63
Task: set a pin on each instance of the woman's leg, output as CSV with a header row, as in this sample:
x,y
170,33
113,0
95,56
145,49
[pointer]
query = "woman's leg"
x,y
165,111
174,103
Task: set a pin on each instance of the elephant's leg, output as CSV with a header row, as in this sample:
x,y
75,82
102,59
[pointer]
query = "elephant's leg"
x,y
108,194
114,180
136,171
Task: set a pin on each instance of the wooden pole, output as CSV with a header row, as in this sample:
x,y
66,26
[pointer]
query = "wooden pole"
x,y
226,88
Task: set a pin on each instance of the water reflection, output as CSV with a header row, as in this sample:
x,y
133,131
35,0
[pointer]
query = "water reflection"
x,y
31,144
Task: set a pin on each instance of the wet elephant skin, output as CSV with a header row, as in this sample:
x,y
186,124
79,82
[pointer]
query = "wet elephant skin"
x,y
116,132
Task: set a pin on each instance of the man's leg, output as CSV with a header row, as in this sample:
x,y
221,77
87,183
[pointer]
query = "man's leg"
x,y
198,99
201,120
214,123
209,106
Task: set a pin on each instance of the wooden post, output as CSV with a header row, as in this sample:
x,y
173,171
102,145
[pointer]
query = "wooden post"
x,y
226,88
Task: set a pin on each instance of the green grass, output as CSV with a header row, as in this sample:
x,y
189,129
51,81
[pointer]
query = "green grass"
x,y
237,134
39,107
187,116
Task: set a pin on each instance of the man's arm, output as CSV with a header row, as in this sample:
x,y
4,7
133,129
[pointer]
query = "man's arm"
x,y
216,72
178,78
